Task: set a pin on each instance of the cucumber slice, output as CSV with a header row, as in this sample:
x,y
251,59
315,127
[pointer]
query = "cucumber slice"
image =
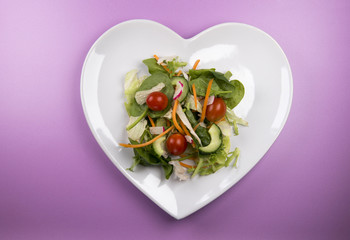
x,y
185,89
159,146
215,142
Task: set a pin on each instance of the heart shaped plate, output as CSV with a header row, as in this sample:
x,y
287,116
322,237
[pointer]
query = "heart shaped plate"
x,y
251,55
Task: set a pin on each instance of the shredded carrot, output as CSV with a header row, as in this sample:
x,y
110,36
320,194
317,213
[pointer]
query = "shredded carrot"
x,y
188,157
196,127
177,126
165,67
194,95
186,165
179,73
146,143
220,120
196,64
206,100
167,122
186,132
151,120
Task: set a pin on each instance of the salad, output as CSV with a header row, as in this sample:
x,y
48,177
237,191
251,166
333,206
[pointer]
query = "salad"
x,y
182,118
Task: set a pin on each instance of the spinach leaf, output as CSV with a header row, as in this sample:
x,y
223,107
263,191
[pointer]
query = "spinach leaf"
x,y
153,66
201,84
134,109
231,91
237,96
168,90
146,156
201,73
168,170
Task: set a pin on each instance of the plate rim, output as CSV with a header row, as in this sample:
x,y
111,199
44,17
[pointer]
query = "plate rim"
x,y
193,38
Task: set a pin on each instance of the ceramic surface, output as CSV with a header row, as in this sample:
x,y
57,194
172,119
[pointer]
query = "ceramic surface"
x,y
251,55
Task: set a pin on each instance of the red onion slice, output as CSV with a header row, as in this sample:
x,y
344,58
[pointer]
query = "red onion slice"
x,y
178,90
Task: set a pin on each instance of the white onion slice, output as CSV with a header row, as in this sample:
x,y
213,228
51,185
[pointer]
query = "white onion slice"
x,y
189,139
168,114
187,123
156,130
166,59
210,100
180,171
185,75
141,96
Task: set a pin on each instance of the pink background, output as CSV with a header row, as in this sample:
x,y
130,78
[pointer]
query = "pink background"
x,y
56,182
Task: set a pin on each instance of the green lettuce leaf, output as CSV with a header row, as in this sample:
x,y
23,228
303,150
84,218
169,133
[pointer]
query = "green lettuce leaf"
x,y
209,164
174,65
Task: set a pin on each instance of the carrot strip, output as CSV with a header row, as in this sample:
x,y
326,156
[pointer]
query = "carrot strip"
x,y
179,73
194,95
151,120
206,100
195,64
186,132
186,165
177,126
196,127
184,157
146,143
165,67
222,119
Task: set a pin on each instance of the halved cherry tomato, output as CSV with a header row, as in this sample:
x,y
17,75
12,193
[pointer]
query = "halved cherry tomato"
x,y
216,110
176,144
157,101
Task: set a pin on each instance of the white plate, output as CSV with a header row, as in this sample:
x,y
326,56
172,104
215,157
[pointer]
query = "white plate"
x,y
250,54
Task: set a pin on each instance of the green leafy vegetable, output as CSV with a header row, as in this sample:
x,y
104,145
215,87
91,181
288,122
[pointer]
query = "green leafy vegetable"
x,y
137,120
134,109
153,66
209,164
174,65
131,84
139,127
231,91
168,90
146,156
237,95
200,131
228,75
233,119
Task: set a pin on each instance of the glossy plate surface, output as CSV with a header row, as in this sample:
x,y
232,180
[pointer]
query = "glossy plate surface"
x,y
250,54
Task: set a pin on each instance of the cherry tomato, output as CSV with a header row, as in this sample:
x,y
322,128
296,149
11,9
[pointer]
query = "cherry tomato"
x,y
176,144
216,111
157,101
